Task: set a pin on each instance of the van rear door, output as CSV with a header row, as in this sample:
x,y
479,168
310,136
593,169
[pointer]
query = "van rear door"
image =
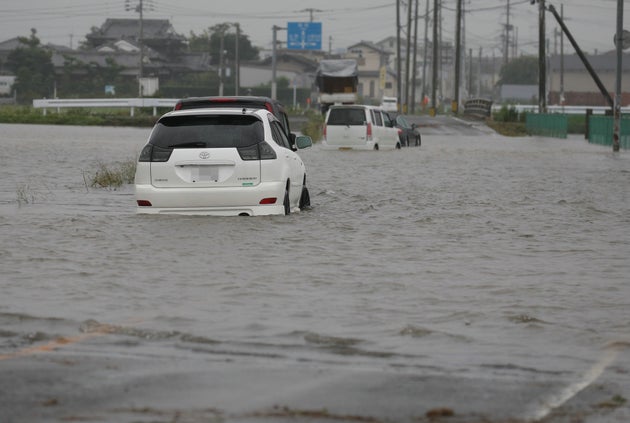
x,y
346,126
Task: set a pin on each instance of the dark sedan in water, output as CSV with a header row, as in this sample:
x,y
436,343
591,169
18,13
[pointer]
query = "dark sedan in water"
x,y
408,133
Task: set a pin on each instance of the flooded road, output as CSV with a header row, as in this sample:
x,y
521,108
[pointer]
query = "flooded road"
x,y
477,277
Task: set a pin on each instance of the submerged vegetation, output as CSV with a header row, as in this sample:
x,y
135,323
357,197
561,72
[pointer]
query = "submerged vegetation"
x,y
313,126
111,176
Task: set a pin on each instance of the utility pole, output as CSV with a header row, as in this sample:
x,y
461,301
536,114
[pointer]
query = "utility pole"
x,y
311,11
221,29
415,62
619,44
426,49
470,72
408,57
506,51
221,61
458,46
140,9
435,59
441,52
542,58
274,87
479,73
398,62
562,60
237,60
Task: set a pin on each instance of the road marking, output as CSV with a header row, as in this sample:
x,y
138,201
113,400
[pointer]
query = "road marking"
x,y
611,352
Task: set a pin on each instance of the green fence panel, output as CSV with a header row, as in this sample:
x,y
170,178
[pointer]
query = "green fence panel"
x,y
547,125
600,131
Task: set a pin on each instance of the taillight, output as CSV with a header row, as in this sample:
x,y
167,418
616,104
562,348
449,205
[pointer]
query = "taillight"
x,y
368,134
268,200
324,131
152,153
144,203
178,105
269,107
399,132
259,151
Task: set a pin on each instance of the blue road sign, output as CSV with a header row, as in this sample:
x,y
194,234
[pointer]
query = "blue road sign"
x,y
304,35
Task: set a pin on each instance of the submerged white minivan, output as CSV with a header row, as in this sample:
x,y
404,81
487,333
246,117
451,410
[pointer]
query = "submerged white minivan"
x,y
359,127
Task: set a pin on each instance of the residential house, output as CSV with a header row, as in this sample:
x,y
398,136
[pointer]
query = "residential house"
x,y
157,34
376,77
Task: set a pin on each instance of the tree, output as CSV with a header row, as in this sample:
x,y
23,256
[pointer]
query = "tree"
x,y
210,41
520,71
32,65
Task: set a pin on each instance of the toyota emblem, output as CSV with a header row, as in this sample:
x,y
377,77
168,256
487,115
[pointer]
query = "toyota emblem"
x,y
204,155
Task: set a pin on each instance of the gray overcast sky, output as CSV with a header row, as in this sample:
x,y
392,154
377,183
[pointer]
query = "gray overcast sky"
x,y
592,22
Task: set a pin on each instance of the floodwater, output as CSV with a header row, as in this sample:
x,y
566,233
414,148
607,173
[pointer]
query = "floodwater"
x,y
475,256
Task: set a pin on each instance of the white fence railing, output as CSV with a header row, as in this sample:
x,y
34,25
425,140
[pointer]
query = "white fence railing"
x,y
569,110
130,103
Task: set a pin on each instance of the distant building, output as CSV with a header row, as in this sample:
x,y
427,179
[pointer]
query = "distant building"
x,y
519,94
157,34
579,87
376,77
298,68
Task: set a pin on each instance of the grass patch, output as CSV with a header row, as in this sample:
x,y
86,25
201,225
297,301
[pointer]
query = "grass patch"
x,y
614,402
508,129
25,195
111,176
313,126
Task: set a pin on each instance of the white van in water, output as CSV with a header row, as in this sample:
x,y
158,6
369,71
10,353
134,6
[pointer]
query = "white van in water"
x,y
359,127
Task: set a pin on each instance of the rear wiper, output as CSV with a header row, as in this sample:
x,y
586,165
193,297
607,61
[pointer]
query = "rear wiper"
x,y
197,144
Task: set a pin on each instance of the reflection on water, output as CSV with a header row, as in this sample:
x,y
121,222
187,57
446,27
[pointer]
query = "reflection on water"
x,y
472,254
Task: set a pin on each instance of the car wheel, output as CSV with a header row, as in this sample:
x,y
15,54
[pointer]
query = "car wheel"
x,y
287,202
305,198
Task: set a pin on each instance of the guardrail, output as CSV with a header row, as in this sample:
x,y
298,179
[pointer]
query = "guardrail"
x,y
569,110
130,103
478,107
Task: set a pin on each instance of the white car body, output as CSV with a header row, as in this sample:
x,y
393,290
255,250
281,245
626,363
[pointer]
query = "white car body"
x,y
220,162
359,127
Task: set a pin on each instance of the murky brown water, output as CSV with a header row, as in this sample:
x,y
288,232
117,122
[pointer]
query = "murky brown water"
x,y
475,255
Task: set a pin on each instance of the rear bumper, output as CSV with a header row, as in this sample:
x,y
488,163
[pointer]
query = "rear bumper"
x,y
231,201
368,145
340,145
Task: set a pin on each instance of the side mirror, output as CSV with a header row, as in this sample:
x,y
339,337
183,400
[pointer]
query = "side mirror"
x,y
292,141
303,141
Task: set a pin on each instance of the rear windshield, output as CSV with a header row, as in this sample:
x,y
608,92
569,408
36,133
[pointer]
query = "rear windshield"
x,y
222,131
346,116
